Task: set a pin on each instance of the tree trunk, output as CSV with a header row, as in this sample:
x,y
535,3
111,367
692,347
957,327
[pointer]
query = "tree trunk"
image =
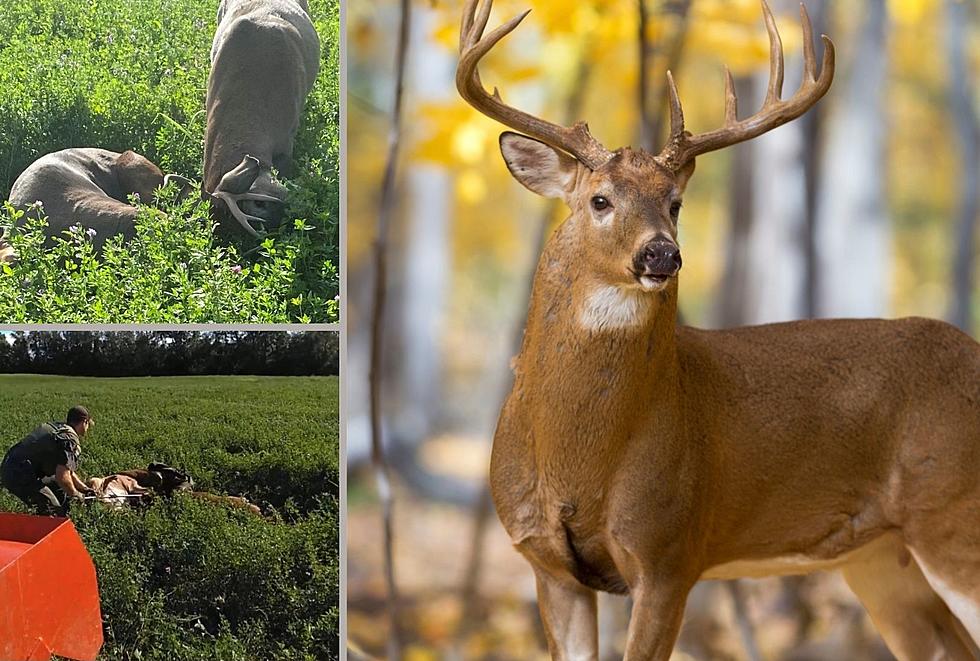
x,y
775,266
812,124
853,233
731,306
962,93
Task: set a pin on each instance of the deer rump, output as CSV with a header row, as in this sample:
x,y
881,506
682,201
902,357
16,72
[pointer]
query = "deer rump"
x,y
264,60
88,187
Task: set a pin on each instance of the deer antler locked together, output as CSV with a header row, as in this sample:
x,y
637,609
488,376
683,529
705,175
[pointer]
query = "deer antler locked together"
x,y
682,146
473,45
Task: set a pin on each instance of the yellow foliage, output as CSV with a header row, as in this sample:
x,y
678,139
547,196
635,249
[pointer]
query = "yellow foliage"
x,y
536,68
419,653
471,187
910,12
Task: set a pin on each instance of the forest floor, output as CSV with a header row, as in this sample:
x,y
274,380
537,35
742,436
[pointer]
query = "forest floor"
x,y
814,618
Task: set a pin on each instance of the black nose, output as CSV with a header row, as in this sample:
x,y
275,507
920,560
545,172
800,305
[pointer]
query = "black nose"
x,y
660,257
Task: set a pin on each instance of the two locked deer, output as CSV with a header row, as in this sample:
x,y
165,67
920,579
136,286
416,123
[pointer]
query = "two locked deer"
x,y
265,58
637,457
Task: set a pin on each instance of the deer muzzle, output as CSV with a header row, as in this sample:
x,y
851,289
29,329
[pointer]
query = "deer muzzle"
x,y
656,262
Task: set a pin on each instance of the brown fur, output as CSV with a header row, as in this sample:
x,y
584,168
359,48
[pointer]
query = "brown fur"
x,y
161,478
642,458
237,502
167,480
87,187
264,61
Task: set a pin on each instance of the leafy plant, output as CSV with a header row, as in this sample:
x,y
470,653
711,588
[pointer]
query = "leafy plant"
x,y
131,74
188,579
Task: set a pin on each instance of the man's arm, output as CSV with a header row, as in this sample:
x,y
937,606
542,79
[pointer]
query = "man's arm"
x,y
79,484
69,482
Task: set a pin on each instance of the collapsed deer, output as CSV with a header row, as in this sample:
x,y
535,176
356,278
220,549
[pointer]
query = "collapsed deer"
x,y
86,187
637,457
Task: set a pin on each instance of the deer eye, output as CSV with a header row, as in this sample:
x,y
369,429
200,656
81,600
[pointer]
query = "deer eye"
x,y
599,203
675,210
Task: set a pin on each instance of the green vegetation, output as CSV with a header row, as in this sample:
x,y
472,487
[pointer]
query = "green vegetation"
x,y
186,579
131,74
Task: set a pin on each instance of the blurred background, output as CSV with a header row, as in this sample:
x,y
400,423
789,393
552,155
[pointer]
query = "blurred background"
x,y
866,206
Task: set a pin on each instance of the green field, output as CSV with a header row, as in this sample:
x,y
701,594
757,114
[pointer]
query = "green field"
x,y
131,74
186,579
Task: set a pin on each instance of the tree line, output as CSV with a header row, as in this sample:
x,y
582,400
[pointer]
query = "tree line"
x,y
170,353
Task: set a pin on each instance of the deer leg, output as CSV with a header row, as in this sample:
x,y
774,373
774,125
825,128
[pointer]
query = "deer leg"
x,y
658,609
914,622
954,579
568,610
946,545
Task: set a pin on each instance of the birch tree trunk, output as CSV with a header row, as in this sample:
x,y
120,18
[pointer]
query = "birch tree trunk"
x,y
853,234
962,93
420,290
775,269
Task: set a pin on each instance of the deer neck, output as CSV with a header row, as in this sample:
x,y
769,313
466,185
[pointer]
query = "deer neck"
x,y
597,360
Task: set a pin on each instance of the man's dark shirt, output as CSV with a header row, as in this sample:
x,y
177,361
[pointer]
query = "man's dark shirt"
x,y
51,445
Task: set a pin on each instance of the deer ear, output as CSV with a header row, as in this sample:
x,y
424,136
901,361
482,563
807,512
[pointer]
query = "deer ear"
x,y
540,167
684,175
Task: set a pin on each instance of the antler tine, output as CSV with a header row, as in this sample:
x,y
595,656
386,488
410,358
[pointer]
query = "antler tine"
x,y
683,147
809,58
676,110
731,99
776,65
473,45
466,23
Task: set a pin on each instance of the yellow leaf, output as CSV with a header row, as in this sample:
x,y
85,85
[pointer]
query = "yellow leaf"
x,y
910,12
471,187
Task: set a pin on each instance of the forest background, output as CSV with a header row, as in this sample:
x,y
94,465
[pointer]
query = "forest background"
x,y
867,206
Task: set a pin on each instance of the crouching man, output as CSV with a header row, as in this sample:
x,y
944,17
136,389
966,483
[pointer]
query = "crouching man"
x,y
41,469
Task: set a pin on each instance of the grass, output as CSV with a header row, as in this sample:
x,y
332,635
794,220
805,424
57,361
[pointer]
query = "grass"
x,y
186,579
131,74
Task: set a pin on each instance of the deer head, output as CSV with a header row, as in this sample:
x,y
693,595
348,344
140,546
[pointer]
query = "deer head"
x,y
626,203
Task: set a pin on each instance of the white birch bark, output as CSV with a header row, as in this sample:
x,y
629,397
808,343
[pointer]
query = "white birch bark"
x,y
853,234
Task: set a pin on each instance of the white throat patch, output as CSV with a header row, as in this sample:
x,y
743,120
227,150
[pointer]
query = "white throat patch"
x,y
611,308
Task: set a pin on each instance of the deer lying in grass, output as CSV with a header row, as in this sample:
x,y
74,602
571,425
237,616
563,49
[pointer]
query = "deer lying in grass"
x,y
118,490
264,61
87,187
166,481
635,456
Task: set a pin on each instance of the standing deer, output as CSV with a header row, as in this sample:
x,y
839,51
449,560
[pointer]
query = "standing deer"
x,y
635,456
264,60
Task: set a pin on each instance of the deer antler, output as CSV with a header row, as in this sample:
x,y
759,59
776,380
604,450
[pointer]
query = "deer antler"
x,y
682,146
232,200
473,45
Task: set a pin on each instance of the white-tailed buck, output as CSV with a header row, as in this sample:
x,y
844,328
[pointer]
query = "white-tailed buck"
x,y
635,456
88,187
264,61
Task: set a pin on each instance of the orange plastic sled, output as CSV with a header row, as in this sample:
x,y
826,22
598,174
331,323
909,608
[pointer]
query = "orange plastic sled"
x,y
49,597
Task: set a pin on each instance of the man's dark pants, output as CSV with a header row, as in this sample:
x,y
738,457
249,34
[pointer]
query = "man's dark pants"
x,y
20,479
